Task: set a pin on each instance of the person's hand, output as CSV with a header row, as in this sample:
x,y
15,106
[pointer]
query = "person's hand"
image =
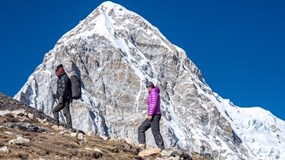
x,y
60,100
54,96
149,118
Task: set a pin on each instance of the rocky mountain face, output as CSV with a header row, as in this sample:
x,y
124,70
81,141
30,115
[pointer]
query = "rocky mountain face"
x,y
114,52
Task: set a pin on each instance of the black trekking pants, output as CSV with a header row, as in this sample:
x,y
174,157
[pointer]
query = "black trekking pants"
x,y
66,112
154,125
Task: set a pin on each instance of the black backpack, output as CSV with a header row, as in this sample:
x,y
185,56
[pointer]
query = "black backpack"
x,y
75,87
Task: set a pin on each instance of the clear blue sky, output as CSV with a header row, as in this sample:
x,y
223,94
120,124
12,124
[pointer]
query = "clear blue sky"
x,y
238,45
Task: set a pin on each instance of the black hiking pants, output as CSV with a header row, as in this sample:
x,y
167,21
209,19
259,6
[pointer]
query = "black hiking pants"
x,y
66,112
154,125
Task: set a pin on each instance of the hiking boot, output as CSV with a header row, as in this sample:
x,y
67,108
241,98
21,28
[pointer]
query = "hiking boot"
x,y
142,147
161,148
72,130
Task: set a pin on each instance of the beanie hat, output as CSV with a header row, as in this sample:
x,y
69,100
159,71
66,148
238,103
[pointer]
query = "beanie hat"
x,y
59,70
149,84
58,66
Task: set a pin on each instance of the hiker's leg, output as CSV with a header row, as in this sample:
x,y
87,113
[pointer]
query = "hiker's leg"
x,y
55,111
67,115
156,131
141,131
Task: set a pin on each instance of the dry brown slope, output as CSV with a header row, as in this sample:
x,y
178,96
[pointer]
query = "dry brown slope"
x,y
50,142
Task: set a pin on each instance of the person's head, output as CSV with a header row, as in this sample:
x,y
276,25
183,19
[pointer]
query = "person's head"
x,y
59,70
149,86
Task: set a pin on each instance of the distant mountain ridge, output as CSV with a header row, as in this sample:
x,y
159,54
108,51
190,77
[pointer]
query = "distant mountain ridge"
x,y
114,51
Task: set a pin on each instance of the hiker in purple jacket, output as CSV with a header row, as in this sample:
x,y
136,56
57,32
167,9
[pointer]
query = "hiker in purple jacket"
x,y
154,116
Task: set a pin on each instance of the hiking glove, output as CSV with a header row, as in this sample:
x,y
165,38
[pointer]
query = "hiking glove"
x,y
60,100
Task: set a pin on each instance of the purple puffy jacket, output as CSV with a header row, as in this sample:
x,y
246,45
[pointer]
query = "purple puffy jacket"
x,y
153,102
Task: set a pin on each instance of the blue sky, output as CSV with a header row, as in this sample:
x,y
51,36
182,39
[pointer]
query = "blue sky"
x,y
238,45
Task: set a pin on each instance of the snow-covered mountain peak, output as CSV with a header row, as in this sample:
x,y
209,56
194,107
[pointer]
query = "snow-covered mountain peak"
x,y
114,51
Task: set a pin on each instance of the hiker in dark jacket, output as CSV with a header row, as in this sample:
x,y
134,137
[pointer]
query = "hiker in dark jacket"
x,y
63,94
154,116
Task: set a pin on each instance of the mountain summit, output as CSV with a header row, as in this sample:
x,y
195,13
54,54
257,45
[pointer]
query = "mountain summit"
x,y
114,52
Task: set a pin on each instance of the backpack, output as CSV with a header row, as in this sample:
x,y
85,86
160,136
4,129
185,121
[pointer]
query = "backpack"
x,y
75,87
